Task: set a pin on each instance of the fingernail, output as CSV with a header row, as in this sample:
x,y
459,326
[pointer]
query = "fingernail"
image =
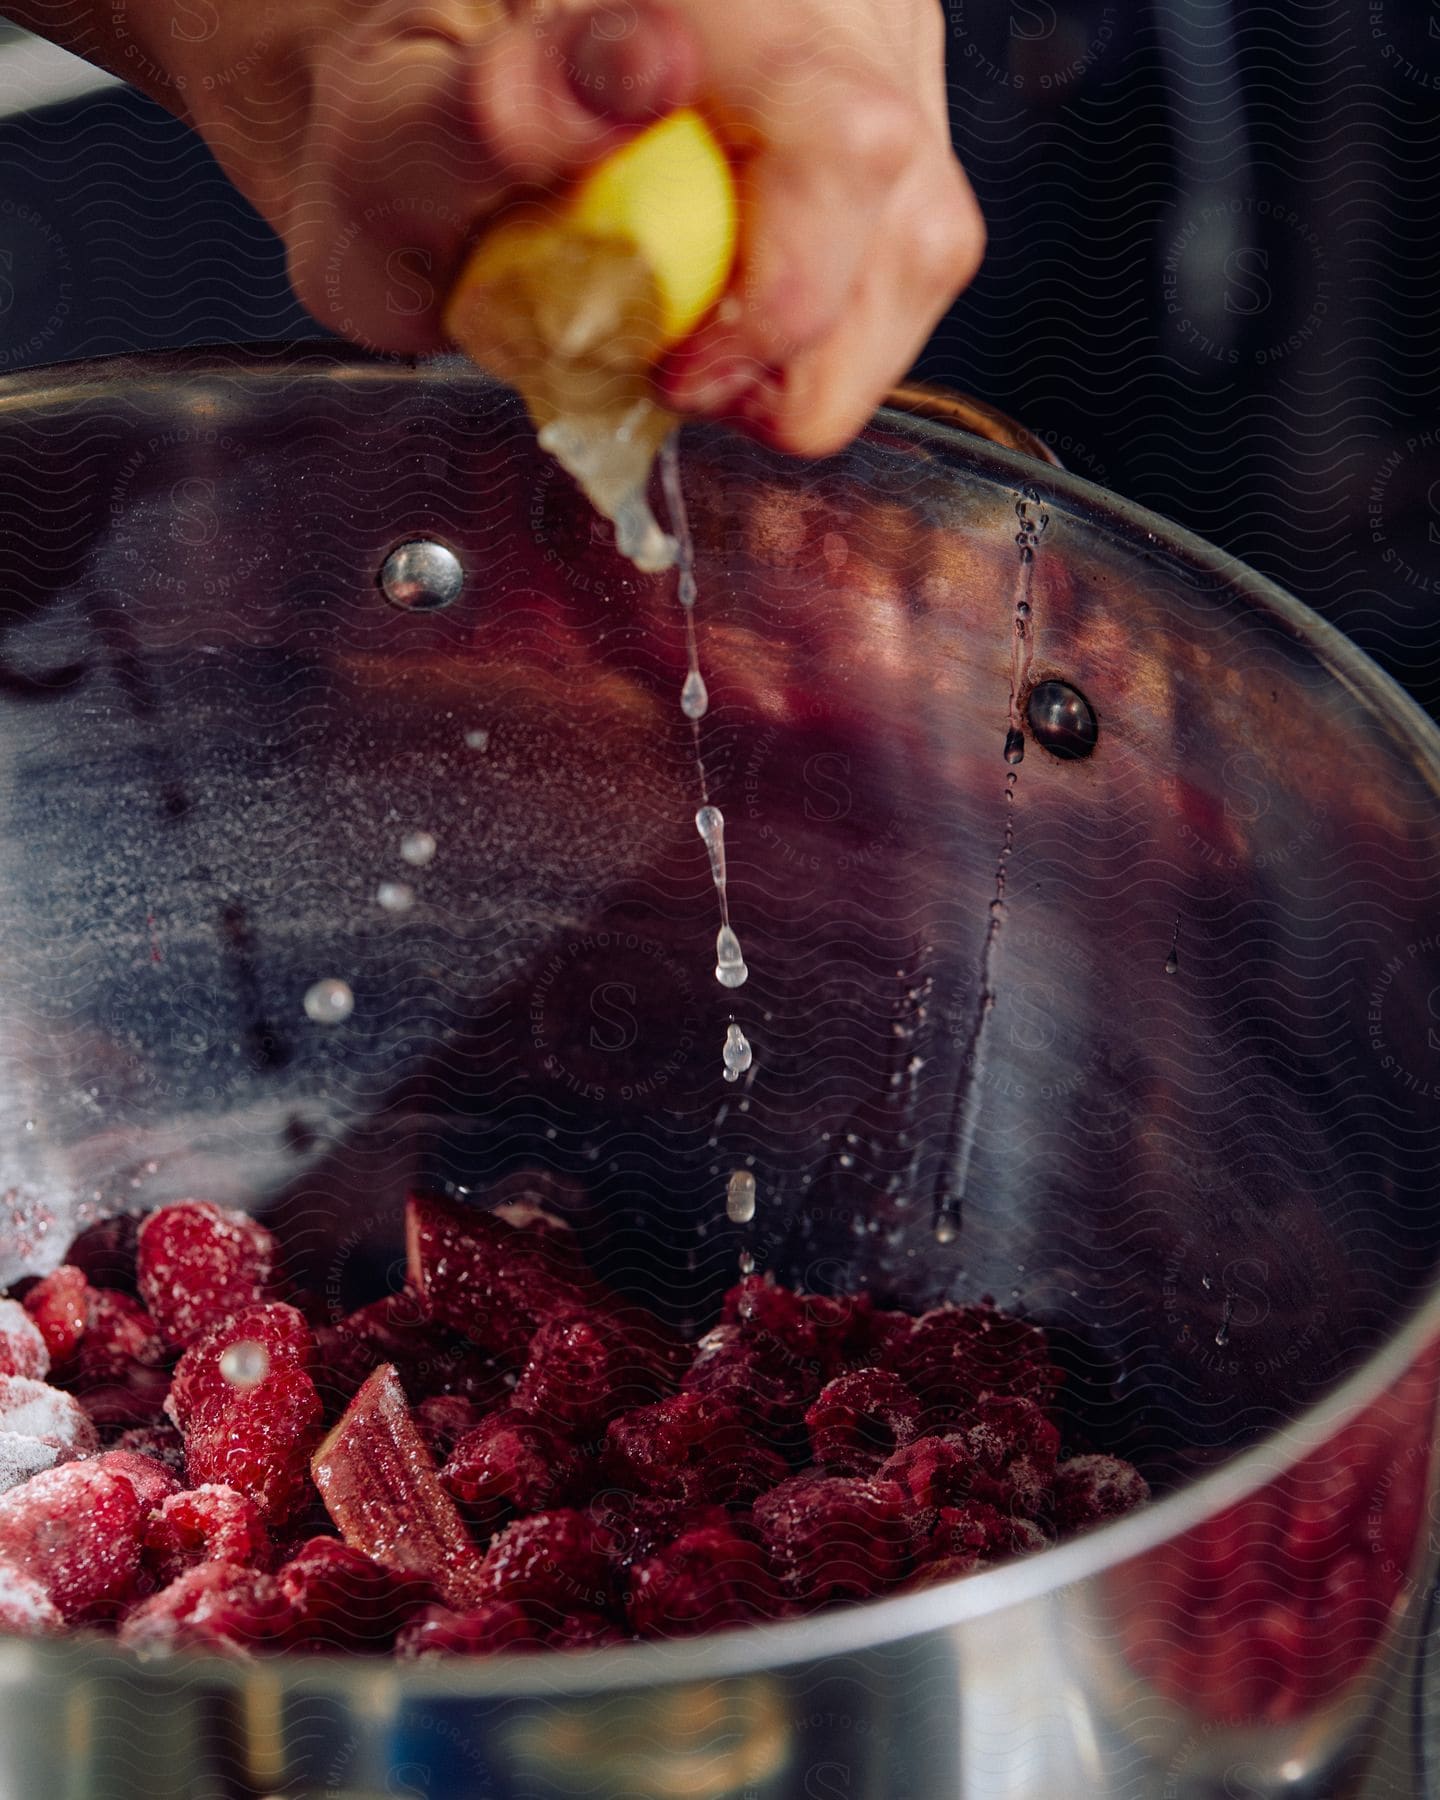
x,y
629,60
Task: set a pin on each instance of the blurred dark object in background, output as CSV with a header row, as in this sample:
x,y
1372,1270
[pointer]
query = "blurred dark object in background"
x,y
1214,257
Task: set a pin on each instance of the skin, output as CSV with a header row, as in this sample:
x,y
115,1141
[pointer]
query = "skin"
x,y
378,136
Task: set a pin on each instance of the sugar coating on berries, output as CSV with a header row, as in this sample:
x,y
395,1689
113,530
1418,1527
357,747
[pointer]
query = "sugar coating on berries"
x,y
705,1579
835,1537
217,1607
759,1376
34,1409
860,1419
975,1534
515,1462
26,1609
201,1376
22,1457
344,1600
23,1350
552,1559
197,1263
1015,1447
75,1530
1090,1489
259,1442
691,1447
500,1627
931,1471
205,1524
958,1355
584,1367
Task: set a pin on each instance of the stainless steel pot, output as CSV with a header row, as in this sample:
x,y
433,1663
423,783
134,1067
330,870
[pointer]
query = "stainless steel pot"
x,y
1174,1095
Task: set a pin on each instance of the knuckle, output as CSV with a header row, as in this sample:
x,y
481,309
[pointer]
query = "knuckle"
x,y
947,242
877,131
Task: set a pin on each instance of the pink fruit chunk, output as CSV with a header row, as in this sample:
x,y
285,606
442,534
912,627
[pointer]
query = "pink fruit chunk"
x,y
198,1263
23,1350
694,1448
34,1409
957,1355
26,1610
705,1580
513,1462
553,1560
154,1482
931,1471
280,1339
217,1607
259,1442
444,1419
430,1358
835,1537
584,1367
207,1524
75,1530
491,1630
345,1601
1090,1489
379,1484
812,1329
861,1418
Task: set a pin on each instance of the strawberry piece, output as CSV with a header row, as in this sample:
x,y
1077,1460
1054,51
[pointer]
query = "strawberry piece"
x,y
515,1462
555,1560
706,1579
584,1367
975,1535
218,1607
208,1524
1015,1448
494,1282
810,1329
23,1347
835,1537
283,1339
444,1419
379,1484
197,1263
430,1359
26,1610
34,1409
154,1482
344,1600
259,1442
758,1374
693,1448
861,1418
489,1630
59,1306
76,1531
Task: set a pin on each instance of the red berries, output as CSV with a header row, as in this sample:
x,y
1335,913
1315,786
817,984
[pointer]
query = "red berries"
x,y
196,1264
835,1537
861,1418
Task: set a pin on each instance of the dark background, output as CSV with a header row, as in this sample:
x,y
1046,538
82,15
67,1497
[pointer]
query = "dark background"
x,y
1212,278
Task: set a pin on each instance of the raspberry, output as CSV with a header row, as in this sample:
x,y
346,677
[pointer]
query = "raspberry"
x,y
34,1409
704,1580
931,1471
629,1526
160,1444
430,1359
691,1448
860,1419
26,1610
1090,1489
874,1335
60,1308
118,1370
752,1374
23,1347
444,1419
259,1442
835,1537
1015,1448
584,1367
218,1607
973,1535
209,1524
489,1280
345,1601
104,1252
957,1355
500,1626
582,1631
75,1530
197,1263
802,1328
152,1481
21,1457
515,1462
552,1559
283,1339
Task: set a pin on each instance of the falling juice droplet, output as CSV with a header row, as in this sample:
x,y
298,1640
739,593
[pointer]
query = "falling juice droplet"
x,y
945,1230
740,1197
1022,608
329,1002
737,1053
418,848
710,823
1222,1336
730,970
245,1365
395,896
694,696
1014,745
747,1263
1172,963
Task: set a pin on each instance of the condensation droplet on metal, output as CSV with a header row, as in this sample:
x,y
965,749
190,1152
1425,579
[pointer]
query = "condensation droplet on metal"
x,y
395,896
1172,963
1014,745
245,1365
730,970
329,1002
740,1197
421,576
694,696
418,848
945,1232
737,1054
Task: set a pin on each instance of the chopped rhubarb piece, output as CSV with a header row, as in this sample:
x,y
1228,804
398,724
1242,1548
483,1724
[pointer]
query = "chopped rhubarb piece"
x,y
861,1418
584,1367
380,1486
704,1580
1015,1448
218,1607
835,1537
238,1354
489,1630
491,1281
105,1252
513,1462
1091,1489
345,1601
76,1530
23,1347
259,1442
60,1308
932,1471
554,1560
161,1443
34,1409
198,1263
26,1610
631,1526
208,1524
693,1448
957,1355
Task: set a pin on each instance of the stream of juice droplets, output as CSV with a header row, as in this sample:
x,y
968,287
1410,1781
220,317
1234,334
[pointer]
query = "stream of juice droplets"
x,y
730,970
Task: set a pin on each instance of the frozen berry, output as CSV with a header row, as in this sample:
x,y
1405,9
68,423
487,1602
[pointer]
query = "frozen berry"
x,y
693,1448
957,1355
23,1349
198,1263
513,1462
259,1442
704,1580
444,1419
770,1388
119,1367
584,1367
631,1526
551,1559
1090,1489
932,1471
76,1530
806,1328
218,1607
860,1419
430,1358
975,1534
60,1308
34,1409
105,1252
237,1354
26,1610
490,1630
345,1601
835,1537
208,1524
1015,1448
160,1443
154,1482
581,1631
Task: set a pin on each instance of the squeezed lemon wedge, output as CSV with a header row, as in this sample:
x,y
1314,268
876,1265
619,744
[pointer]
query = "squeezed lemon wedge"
x,y
574,301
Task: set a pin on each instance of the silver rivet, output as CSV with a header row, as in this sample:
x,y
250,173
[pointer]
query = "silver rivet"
x,y
421,576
